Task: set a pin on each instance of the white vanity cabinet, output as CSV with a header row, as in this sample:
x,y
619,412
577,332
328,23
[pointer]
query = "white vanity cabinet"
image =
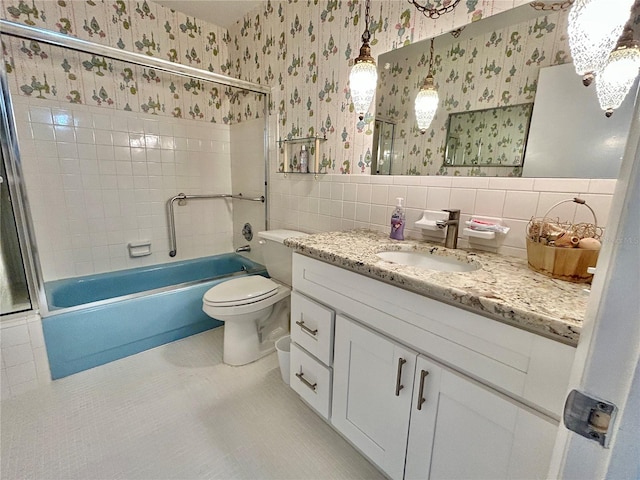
x,y
372,389
389,401
428,390
463,429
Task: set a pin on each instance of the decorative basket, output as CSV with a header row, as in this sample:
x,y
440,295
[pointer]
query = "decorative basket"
x,y
554,247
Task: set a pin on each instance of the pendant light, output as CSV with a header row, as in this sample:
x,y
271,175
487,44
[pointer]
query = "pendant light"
x,y
364,74
426,102
594,27
621,70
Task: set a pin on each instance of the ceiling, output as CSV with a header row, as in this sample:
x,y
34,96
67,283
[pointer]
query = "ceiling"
x,y
223,13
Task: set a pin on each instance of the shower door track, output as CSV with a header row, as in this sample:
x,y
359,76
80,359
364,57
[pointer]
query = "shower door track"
x,y
73,43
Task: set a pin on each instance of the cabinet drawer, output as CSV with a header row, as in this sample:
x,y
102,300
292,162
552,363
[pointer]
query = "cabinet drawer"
x,y
311,380
312,327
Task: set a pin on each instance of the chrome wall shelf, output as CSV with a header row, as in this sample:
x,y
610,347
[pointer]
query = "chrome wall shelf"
x,y
290,154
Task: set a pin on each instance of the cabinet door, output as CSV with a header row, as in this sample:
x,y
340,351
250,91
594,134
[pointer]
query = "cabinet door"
x,y
465,430
373,382
424,409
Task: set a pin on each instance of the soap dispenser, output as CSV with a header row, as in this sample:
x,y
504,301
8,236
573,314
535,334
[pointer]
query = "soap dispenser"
x,y
397,221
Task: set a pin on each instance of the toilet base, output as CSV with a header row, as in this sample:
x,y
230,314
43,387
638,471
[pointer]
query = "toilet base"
x,y
241,348
248,340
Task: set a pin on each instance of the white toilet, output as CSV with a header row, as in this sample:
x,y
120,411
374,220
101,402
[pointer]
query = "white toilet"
x,y
255,309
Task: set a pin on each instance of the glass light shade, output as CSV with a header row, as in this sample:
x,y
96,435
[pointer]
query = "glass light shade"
x,y
615,80
362,83
594,28
426,104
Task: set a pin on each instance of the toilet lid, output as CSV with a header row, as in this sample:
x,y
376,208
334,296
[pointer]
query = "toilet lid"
x,y
241,291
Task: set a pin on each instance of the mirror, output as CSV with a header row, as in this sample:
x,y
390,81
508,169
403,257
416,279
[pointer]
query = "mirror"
x,y
489,64
383,136
491,137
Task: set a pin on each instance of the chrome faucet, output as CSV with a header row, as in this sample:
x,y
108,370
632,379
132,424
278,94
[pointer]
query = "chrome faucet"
x,y
451,224
245,248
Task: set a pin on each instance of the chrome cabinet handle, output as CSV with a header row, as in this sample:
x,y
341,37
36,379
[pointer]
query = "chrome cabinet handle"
x,y
399,386
421,399
312,386
306,329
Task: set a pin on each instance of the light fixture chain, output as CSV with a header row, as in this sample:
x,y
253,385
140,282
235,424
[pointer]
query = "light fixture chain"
x,y
366,36
431,57
434,13
556,6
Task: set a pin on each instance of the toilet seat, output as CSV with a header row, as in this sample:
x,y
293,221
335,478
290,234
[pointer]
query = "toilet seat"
x,y
240,291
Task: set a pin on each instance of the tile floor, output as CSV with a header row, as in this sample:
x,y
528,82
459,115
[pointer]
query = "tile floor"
x,y
174,412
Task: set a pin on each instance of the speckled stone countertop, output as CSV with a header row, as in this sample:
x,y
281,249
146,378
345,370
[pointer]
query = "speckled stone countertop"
x,y
504,288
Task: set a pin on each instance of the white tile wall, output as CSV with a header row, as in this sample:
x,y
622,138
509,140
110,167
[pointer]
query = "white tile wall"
x,y
515,200
247,173
24,357
98,180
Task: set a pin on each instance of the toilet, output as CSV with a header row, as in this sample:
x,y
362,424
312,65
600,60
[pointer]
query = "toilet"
x,y
255,310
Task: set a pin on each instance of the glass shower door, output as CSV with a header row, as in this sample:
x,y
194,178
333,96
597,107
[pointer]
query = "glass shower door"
x,y
14,291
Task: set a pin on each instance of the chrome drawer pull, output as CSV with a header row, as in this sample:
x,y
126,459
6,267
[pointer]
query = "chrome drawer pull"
x,y
421,399
312,386
306,329
401,362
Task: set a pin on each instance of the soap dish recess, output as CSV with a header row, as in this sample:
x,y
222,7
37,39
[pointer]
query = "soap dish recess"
x,y
139,249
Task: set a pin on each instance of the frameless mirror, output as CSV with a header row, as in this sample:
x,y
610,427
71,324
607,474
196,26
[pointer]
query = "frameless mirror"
x,y
490,64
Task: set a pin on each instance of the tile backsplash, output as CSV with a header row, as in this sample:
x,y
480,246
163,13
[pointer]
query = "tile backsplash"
x,y
342,202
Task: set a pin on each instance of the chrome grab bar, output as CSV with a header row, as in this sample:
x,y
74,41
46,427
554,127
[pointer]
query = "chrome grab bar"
x,y
181,196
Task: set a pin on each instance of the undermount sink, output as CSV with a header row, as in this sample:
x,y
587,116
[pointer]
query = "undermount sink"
x,y
429,261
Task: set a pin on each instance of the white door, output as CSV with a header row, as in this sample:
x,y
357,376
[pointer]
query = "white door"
x,y
372,387
607,364
466,430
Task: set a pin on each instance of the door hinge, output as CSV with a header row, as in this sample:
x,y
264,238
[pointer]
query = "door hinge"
x,y
589,417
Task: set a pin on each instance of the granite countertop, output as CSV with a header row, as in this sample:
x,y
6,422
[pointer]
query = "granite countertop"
x,y
504,288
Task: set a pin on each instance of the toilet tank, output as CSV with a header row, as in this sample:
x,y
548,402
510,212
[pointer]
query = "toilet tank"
x,y
277,256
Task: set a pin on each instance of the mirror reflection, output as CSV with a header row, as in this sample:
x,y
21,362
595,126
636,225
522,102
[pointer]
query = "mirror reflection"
x,y
487,65
491,137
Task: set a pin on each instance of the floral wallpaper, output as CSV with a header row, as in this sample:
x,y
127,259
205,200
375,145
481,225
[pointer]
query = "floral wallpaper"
x,y
42,71
491,137
303,48
497,68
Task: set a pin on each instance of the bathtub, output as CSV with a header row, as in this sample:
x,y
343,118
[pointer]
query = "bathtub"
x,y
96,319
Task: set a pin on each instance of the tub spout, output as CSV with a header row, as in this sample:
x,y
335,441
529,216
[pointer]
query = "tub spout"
x,y
245,248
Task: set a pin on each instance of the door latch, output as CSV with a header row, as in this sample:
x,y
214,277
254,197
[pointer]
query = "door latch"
x,y
589,417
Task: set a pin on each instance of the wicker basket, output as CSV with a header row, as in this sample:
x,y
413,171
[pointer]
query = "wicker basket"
x,y
564,263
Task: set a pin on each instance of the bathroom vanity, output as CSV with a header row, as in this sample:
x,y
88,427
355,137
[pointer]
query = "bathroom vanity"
x,y
432,374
